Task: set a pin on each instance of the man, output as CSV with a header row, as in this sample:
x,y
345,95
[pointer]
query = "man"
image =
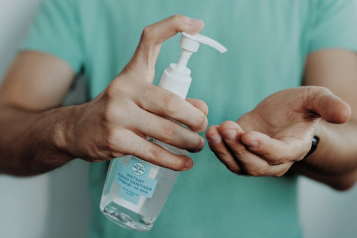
x,y
272,46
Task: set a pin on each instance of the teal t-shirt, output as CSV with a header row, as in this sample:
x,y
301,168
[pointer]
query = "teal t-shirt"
x,y
267,42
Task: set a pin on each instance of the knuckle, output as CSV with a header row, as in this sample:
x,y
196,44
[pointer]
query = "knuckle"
x,y
110,113
239,151
324,90
92,154
193,143
218,153
196,142
280,174
170,103
155,155
283,161
112,90
112,143
104,152
116,88
113,154
233,167
198,120
177,18
111,139
313,93
278,161
258,172
145,35
166,131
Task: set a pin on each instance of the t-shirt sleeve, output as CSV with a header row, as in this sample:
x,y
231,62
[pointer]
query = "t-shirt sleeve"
x,y
333,25
56,31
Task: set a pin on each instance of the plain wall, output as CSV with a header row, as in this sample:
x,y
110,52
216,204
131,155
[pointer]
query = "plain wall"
x,y
56,204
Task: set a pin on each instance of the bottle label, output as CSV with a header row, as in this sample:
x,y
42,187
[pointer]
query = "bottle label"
x,y
134,180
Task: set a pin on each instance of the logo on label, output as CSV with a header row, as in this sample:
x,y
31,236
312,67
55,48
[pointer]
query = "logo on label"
x,y
134,181
138,169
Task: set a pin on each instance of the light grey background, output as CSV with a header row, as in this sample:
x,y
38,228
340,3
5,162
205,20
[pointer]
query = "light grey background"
x,y
56,204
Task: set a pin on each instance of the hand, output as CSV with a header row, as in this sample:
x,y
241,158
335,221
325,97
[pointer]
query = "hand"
x,y
117,122
278,132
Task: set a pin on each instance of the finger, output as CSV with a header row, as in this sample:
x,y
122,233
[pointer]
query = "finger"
x,y
231,133
148,151
279,170
330,107
165,103
218,147
199,104
275,152
233,150
251,163
166,131
145,56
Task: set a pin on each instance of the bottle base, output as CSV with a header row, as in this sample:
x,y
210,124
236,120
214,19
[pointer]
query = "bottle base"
x,y
133,222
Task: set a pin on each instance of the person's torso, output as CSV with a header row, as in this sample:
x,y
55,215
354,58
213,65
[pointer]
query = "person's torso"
x,y
266,53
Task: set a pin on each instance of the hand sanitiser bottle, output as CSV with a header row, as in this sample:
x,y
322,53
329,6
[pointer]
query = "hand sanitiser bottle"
x,y
135,190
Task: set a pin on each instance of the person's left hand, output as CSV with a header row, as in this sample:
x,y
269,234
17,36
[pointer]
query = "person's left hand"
x,y
278,132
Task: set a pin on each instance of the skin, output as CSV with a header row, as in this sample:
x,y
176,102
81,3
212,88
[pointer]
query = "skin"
x,y
35,139
277,134
264,142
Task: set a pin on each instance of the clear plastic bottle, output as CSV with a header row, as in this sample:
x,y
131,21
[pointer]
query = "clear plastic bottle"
x,y
135,191
142,215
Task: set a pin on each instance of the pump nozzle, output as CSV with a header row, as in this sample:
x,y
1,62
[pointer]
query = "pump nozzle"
x,y
177,78
191,43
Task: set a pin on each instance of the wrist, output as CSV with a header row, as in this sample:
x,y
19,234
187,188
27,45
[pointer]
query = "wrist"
x,y
333,155
63,135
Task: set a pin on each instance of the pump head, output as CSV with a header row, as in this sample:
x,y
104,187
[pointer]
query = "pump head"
x,y
191,43
177,78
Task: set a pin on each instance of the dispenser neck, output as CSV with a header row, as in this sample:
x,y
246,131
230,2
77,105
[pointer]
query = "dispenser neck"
x,y
184,57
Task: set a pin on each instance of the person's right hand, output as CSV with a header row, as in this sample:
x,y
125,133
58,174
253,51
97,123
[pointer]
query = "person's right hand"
x,y
116,122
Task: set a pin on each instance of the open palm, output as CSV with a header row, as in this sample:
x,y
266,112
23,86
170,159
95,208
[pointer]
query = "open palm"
x,y
278,132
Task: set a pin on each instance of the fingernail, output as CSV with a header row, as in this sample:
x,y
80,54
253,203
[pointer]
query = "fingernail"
x,y
216,138
252,144
195,22
204,125
229,134
188,164
202,145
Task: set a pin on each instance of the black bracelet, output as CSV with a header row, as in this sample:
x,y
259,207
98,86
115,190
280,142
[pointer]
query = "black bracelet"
x,y
315,142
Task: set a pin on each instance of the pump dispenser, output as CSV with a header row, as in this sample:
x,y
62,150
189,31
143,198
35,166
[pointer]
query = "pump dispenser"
x,y
135,190
177,77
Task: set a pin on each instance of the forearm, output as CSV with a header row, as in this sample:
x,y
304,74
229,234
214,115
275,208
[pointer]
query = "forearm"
x,y
335,160
29,141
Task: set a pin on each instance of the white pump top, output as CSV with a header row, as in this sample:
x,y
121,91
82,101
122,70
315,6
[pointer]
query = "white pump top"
x,y
177,78
192,42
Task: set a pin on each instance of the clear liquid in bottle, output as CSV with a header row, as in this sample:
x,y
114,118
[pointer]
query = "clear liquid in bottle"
x,y
135,190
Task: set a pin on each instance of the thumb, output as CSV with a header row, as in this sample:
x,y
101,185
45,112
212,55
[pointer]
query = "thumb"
x,y
144,59
330,107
